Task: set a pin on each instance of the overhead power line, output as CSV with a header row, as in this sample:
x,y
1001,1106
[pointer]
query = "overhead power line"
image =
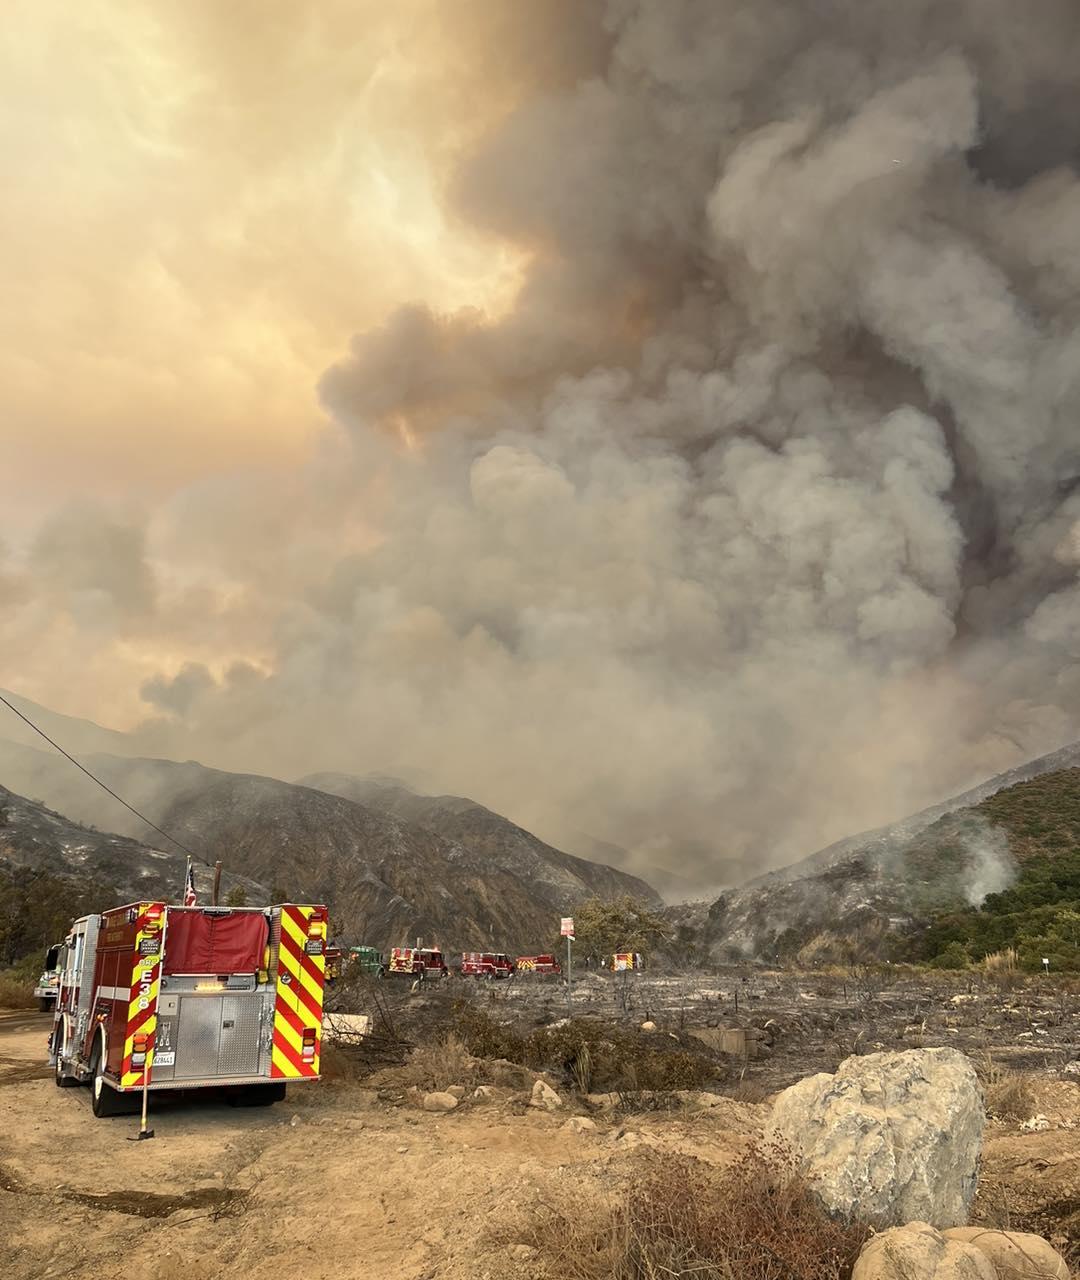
x,y
130,808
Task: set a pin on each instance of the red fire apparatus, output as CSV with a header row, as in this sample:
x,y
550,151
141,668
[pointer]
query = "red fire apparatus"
x,y
538,964
486,964
418,962
190,997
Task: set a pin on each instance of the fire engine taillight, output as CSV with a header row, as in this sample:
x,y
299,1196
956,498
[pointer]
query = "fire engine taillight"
x,y
141,1044
307,1053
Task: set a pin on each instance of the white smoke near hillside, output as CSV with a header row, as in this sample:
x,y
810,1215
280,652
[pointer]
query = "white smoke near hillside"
x,y
753,522
990,865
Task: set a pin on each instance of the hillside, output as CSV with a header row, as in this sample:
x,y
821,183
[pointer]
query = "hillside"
x,y
560,878
387,879
33,836
885,890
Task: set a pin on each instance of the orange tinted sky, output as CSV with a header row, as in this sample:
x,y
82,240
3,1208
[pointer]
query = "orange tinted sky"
x,y
202,202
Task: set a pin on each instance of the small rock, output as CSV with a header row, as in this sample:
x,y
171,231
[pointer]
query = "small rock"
x,y
1035,1124
521,1252
484,1092
580,1124
1015,1255
439,1102
602,1101
648,1026
402,1150
919,1251
294,1121
458,1090
544,1096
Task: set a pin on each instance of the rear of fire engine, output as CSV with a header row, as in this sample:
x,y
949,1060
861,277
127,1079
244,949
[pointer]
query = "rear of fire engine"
x,y
190,997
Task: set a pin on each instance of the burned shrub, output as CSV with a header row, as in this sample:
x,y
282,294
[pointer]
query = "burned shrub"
x,y
755,1220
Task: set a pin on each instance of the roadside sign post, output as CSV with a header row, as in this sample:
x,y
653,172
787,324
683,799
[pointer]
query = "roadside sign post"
x,y
567,930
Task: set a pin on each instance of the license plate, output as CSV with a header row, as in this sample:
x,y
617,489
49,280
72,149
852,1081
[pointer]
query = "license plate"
x,y
165,1059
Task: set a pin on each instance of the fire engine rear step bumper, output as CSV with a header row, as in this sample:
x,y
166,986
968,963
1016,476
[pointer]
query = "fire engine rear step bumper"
x,y
157,1086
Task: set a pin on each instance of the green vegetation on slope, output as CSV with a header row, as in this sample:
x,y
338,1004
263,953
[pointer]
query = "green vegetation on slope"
x,y
1038,916
1039,913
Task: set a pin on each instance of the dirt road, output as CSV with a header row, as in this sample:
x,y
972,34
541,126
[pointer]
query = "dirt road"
x,y
330,1183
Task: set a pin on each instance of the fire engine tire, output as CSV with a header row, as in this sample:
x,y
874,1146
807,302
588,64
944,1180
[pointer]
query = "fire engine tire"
x,y
258,1095
45,1004
63,1080
104,1099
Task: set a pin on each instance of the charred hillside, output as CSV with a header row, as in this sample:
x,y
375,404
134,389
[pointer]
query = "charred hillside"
x,y
464,879
559,878
883,890
37,838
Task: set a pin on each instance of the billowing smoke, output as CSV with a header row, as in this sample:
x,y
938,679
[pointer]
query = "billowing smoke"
x,y
754,519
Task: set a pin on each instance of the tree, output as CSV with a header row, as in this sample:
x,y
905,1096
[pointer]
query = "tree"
x,y
954,956
625,924
236,897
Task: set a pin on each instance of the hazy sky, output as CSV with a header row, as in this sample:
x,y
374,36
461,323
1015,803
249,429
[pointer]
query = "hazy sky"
x,y
202,202
656,418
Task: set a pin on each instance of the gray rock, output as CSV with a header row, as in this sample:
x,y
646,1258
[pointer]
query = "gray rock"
x,y
439,1102
890,1138
580,1124
458,1091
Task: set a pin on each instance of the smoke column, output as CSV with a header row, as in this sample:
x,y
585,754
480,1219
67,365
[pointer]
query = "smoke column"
x,y
753,520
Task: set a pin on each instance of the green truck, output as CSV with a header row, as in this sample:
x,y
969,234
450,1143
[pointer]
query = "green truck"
x,y
370,961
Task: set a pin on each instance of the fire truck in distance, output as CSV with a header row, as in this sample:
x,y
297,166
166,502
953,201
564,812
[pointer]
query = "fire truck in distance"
x,y
486,964
417,962
538,964
47,984
190,997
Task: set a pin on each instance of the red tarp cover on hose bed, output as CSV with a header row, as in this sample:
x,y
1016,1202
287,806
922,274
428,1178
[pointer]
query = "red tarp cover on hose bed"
x,y
198,943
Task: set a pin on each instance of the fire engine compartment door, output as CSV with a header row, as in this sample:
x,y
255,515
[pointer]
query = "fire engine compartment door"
x,y
216,1036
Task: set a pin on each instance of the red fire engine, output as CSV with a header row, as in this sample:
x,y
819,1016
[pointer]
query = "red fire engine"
x,y
538,964
418,962
190,997
486,964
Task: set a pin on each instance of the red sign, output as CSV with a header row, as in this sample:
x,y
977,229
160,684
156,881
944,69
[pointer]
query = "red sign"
x,y
567,929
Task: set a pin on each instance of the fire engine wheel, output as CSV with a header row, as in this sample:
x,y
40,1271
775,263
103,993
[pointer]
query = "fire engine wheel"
x,y
63,1080
104,1099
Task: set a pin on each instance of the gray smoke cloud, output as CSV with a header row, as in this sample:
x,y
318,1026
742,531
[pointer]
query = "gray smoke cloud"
x,y
755,519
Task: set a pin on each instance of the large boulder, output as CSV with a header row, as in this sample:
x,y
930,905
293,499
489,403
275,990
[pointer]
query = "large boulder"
x,y
1016,1255
890,1138
918,1252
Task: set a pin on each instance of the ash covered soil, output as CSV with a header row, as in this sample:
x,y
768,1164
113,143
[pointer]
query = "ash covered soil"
x,y
351,1177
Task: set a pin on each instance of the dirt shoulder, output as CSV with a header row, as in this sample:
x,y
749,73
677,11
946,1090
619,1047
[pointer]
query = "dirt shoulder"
x,y
340,1182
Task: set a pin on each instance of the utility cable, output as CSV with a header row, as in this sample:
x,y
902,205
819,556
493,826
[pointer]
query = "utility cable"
x,y
130,808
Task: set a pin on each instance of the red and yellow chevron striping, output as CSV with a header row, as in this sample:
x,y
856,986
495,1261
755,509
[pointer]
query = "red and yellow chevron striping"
x,y
301,973
145,984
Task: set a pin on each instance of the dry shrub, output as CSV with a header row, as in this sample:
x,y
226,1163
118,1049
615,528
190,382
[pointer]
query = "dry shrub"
x,y
755,1220
485,1037
341,1064
1012,1097
1004,961
441,1063
16,992
1009,1094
